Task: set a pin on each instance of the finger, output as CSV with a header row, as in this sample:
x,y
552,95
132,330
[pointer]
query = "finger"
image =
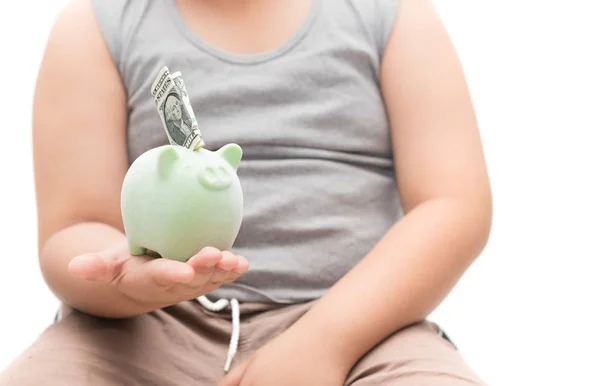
x,y
238,271
228,262
243,265
235,376
100,267
164,272
204,265
206,259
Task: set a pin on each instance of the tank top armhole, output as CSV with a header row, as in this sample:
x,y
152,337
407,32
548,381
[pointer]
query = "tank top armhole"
x,y
108,16
378,18
387,12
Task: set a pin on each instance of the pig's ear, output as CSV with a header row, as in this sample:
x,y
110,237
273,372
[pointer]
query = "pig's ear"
x,y
166,159
232,153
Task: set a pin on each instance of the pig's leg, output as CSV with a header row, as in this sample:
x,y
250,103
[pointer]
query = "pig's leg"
x,y
136,250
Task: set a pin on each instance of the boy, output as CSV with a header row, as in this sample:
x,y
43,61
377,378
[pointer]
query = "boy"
x,y
365,187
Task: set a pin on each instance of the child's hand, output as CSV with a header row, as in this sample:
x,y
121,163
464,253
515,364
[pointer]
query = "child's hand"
x,y
160,281
293,358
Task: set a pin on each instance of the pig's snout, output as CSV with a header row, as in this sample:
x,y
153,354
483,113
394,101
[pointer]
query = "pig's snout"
x,y
215,178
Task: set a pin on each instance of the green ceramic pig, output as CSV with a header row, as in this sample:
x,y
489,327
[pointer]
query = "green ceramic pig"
x,y
176,201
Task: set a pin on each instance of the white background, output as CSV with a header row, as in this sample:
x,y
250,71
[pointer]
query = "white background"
x,y
527,311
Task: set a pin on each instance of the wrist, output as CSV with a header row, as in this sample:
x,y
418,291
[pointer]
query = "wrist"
x,y
322,340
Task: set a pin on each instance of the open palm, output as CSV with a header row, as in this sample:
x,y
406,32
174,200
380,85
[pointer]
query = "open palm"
x,y
151,280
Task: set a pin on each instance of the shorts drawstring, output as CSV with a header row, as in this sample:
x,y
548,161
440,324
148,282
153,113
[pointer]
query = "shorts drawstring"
x,y
217,306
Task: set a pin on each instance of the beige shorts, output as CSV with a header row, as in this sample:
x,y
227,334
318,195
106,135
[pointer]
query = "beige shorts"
x,y
187,345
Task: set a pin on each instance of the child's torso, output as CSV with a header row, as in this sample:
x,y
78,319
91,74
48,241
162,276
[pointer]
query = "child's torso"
x,y
317,171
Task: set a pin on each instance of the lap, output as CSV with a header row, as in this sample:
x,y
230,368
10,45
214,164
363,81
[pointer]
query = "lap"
x,y
185,344
173,346
416,355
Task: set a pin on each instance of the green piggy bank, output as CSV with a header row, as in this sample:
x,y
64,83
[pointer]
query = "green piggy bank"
x,y
176,201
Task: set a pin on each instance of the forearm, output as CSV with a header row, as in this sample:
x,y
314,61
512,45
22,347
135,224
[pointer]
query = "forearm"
x,y
408,273
92,297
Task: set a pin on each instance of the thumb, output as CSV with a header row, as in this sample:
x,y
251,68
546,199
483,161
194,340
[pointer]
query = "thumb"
x,y
234,377
103,266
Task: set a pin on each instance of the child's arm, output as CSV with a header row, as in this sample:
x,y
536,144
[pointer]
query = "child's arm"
x,y
80,160
443,183
79,118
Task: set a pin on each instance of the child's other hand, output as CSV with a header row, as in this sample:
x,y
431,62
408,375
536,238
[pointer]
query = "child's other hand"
x,y
160,281
294,358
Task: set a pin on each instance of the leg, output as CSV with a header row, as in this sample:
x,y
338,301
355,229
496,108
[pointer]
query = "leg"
x,y
416,355
136,250
175,346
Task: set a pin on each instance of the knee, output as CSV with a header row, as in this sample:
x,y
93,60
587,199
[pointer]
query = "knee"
x,y
416,355
392,375
71,350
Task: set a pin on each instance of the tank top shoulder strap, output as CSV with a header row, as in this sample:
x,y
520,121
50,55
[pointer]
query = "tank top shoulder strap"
x,y
118,20
378,17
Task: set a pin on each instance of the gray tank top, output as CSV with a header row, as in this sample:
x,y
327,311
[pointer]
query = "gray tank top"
x,y
317,171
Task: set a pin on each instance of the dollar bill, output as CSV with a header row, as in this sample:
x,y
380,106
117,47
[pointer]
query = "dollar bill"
x,y
175,110
178,79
